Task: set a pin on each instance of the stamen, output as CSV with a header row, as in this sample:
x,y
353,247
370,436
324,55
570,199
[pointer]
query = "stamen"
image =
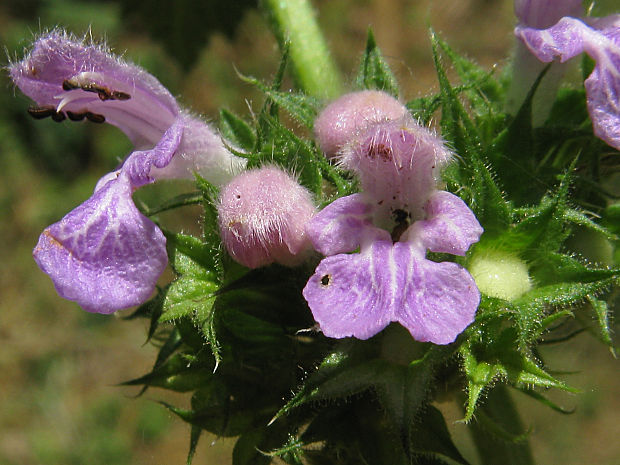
x,y
59,116
41,112
103,92
76,116
94,117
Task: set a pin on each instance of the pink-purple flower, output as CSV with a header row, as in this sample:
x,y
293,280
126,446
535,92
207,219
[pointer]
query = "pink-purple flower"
x,y
105,255
399,216
600,39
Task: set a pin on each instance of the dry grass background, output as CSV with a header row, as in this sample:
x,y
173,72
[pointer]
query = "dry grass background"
x,y
59,366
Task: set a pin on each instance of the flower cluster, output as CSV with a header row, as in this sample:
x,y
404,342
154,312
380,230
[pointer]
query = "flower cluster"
x,y
105,254
398,216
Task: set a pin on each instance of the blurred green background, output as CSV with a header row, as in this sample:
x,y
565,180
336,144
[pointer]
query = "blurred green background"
x,y
60,366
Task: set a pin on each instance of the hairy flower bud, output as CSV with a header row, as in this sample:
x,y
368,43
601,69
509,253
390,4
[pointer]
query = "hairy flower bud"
x,y
262,218
500,274
351,114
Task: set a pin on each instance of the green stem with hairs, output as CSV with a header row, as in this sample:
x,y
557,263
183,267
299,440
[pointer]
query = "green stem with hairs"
x,y
294,21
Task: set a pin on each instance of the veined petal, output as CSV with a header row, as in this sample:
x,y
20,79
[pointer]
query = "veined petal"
x,y
141,164
355,295
104,255
450,226
341,226
84,80
570,37
439,301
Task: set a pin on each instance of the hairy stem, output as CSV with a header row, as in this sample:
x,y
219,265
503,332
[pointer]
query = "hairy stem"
x,y
294,21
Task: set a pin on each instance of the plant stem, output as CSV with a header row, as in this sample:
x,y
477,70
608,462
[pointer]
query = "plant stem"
x,y
496,430
294,21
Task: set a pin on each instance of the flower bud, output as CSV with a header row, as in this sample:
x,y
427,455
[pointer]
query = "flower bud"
x,y
351,114
500,274
262,215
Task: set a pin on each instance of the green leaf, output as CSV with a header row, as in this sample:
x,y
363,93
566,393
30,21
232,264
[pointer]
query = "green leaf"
x,y
187,296
177,373
424,108
246,450
602,315
579,218
556,268
211,233
190,255
301,107
237,131
611,217
480,189
374,73
430,435
499,358
569,109
498,432
543,400
484,92
193,443
291,152
561,295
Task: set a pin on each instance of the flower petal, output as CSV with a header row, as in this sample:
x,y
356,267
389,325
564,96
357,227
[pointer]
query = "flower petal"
x,y
450,227
341,226
104,255
85,80
570,37
140,165
354,295
201,150
440,300
545,13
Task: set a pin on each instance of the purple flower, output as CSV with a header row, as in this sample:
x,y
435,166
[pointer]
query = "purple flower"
x,y
105,254
262,215
545,13
398,217
600,39
526,68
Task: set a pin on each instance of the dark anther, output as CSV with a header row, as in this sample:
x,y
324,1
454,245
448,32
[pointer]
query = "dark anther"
x,y
76,116
118,95
59,116
102,92
325,280
95,117
68,85
41,112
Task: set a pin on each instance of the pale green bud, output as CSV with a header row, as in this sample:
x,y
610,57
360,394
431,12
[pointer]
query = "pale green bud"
x,y
500,274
